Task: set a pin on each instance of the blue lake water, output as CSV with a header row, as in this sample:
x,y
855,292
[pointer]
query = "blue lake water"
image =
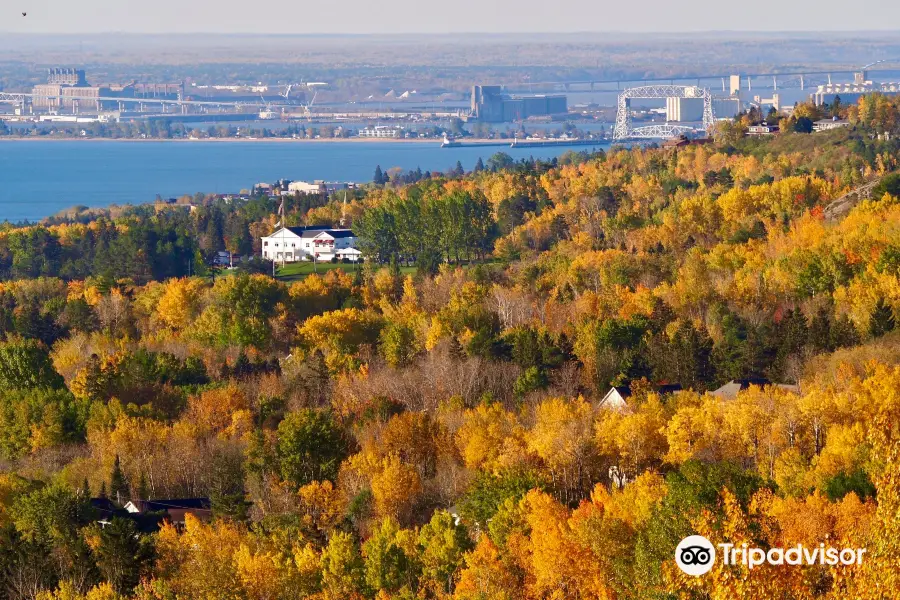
x,y
40,178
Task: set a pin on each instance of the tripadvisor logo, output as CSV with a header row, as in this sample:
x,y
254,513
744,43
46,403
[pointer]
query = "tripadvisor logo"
x,y
695,555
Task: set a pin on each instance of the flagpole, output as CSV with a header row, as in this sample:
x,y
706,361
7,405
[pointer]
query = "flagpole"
x,y
280,223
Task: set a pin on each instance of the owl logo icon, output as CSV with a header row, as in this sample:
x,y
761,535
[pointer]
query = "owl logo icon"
x,y
695,555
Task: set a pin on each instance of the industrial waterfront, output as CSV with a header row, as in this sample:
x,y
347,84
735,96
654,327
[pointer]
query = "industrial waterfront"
x,y
540,119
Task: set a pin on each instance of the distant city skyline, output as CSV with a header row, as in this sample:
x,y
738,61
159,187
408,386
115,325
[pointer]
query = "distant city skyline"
x,y
412,16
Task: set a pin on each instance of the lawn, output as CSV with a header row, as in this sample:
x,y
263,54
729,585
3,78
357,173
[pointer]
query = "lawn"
x,y
299,270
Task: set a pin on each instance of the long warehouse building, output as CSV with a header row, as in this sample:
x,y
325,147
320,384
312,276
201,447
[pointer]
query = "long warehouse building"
x,y
490,104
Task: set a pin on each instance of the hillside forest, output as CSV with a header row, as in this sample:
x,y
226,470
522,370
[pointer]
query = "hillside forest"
x,y
431,423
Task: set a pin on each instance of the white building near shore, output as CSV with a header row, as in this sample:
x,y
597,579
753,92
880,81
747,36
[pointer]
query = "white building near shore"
x,y
316,187
381,131
292,244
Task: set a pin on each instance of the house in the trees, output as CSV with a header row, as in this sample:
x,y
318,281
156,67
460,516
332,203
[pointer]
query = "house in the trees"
x,y
829,124
173,510
292,244
616,397
730,390
105,510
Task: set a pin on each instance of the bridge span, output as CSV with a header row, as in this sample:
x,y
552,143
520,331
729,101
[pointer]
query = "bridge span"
x,y
548,86
624,129
20,98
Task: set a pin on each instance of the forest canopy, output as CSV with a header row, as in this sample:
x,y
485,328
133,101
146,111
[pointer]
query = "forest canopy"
x,y
436,422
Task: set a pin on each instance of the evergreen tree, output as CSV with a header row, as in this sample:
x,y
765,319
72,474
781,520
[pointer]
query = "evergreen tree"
x,y
142,492
379,177
479,166
836,107
198,265
117,484
793,334
820,329
881,321
315,381
237,236
395,268
693,357
844,333
121,553
728,354
759,351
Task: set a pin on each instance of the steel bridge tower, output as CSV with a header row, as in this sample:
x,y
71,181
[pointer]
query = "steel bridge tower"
x,y
624,130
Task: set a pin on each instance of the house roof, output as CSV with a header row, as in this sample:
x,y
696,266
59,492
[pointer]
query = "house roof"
x,y
617,394
105,511
315,230
730,390
301,230
333,233
103,504
669,388
170,504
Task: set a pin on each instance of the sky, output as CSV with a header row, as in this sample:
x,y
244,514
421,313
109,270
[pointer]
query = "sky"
x,y
430,16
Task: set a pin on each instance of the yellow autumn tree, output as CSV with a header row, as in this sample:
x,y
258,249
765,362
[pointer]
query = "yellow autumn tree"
x,y
485,577
395,489
179,303
482,435
562,436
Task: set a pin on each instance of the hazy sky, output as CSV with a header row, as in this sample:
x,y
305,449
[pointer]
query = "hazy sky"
x,y
427,16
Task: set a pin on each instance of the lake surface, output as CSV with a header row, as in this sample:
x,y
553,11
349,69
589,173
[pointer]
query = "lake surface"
x,y
40,178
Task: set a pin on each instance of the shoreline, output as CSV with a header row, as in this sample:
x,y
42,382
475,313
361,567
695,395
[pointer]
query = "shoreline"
x,y
10,138
467,143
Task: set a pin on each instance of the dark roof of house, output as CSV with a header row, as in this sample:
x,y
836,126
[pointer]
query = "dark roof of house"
x,y
105,511
745,383
624,390
103,504
669,388
299,230
666,388
314,230
335,233
172,503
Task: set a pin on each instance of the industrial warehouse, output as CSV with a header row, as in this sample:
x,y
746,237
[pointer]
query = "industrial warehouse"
x,y
490,104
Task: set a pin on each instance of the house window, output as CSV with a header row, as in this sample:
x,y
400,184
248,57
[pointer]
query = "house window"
x,y
293,245
265,243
